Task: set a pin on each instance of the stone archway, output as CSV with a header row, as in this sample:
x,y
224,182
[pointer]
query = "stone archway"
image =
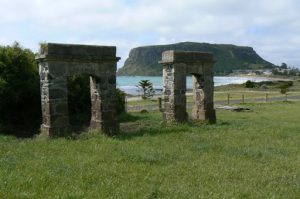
x,y
56,63
176,65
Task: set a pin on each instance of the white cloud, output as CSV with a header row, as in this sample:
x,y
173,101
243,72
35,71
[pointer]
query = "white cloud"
x,y
272,27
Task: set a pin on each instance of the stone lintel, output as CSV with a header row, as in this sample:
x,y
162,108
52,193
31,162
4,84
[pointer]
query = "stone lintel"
x,y
173,56
78,53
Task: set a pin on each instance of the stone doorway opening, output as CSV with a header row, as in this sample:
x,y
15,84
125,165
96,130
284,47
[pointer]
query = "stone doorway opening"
x,y
79,102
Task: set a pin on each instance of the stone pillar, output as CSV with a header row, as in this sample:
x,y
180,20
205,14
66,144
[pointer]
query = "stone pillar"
x,y
54,99
198,97
178,92
203,108
168,77
174,91
176,64
209,112
104,102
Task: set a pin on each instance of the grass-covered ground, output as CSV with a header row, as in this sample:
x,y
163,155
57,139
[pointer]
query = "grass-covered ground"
x,y
252,154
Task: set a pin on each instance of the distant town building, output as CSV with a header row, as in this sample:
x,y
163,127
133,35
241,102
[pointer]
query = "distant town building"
x,y
252,72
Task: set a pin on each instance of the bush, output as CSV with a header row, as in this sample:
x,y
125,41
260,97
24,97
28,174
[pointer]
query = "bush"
x,y
249,84
284,90
79,100
120,101
284,86
20,107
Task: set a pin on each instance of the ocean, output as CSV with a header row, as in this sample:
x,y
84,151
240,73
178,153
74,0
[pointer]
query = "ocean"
x,y
128,83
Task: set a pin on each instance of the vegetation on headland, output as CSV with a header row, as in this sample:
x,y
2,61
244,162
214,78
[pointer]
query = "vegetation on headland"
x,y
144,60
245,155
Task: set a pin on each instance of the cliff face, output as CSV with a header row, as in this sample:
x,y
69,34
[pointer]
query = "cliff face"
x,y
144,60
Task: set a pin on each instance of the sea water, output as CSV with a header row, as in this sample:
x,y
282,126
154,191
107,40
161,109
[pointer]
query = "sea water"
x,y
128,84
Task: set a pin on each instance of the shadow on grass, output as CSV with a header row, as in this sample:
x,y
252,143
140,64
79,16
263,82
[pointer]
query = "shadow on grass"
x,y
131,126
153,131
125,117
19,131
150,128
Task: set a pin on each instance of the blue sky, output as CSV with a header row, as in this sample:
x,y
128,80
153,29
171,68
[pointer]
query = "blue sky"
x,y
271,27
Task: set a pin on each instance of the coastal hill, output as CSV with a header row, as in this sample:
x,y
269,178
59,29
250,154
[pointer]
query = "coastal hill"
x,y
144,60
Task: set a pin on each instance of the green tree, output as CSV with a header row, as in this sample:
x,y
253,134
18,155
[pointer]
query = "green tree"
x,y
120,101
20,107
283,66
147,88
249,84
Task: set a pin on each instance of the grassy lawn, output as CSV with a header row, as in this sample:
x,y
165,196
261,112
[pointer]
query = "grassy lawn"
x,y
252,154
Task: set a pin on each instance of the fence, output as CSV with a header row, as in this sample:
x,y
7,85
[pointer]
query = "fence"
x,y
225,99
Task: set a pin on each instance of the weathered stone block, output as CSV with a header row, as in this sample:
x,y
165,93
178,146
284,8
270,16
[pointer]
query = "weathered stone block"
x,y
75,52
58,69
172,56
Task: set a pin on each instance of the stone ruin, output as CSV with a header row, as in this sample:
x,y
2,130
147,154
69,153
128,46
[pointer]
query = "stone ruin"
x,y
176,66
59,61
56,63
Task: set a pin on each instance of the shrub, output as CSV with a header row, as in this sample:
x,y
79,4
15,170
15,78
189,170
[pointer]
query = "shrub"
x,y
120,101
249,84
284,86
20,109
284,90
79,100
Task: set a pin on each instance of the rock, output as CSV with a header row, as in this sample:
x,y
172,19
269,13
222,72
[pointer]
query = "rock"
x,y
233,108
264,87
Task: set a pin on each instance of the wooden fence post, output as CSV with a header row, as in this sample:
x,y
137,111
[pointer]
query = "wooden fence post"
x,y
126,110
159,104
228,98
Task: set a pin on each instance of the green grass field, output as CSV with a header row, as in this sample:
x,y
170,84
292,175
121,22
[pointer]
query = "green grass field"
x,y
252,154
